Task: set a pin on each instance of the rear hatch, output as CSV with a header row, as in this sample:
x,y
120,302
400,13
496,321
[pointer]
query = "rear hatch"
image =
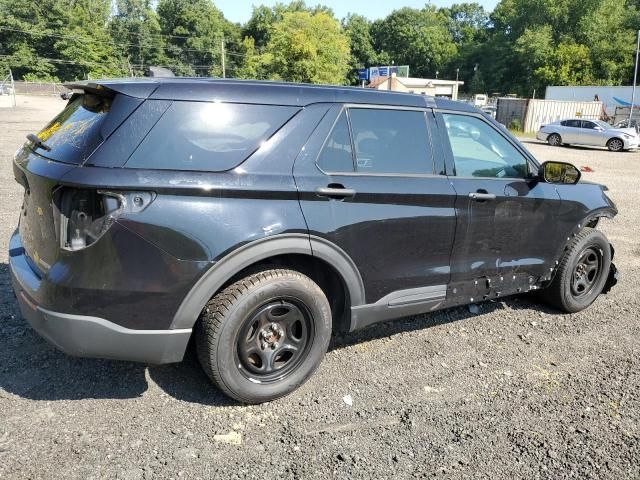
x,y
67,142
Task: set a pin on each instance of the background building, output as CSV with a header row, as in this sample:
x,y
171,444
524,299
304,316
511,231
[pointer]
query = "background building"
x,y
425,86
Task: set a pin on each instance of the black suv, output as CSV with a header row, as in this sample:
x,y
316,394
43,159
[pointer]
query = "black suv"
x,y
260,217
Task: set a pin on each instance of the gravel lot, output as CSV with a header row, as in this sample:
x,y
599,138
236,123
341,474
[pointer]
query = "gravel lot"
x,y
515,391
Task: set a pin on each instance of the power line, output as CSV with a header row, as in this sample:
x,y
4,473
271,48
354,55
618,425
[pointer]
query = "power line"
x,y
88,62
161,35
78,38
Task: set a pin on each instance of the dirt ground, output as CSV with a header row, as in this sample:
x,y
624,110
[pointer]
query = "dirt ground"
x,y
515,391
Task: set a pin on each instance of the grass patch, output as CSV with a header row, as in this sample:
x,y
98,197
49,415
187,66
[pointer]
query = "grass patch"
x,y
519,133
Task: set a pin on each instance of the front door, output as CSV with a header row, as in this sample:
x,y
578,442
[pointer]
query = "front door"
x,y
367,184
592,134
505,217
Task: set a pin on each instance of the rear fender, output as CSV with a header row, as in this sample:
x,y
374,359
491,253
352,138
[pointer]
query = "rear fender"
x,y
293,243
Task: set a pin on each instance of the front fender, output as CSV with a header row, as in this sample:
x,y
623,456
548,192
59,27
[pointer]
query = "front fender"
x,y
582,205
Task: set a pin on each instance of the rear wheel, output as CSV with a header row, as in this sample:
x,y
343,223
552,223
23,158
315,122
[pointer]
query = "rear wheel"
x,y
615,145
554,140
265,335
582,272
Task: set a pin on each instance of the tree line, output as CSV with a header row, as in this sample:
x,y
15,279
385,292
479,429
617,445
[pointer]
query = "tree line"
x,y
520,46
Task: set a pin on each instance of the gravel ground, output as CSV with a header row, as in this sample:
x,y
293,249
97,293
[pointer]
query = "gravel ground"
x,y
515,391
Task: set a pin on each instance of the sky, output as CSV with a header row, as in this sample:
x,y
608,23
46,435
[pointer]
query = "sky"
x,y
240,11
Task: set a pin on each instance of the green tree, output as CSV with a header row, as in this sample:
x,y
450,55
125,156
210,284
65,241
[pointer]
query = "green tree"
x,y
195,30
135,28
263,18
568,64
466,22
85,41
252,66
51,40
306,47
358,30
418,38
606,31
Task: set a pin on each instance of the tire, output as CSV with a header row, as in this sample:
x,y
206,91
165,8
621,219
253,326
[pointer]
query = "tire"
x,y
264,336
554,140
575,285
615,145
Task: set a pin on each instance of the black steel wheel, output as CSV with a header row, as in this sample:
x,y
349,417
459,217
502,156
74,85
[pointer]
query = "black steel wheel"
x,y
264,336
274,340
586,272
582,272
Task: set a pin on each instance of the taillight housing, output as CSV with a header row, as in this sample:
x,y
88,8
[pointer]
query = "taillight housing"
x,y
82,216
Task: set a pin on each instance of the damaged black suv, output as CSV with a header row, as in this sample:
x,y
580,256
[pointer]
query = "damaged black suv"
x,y
257,218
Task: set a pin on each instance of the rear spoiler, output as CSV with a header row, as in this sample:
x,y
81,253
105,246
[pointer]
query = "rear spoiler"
x,y
137,88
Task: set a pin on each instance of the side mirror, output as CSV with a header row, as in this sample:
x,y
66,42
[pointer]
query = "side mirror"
x,y
560,172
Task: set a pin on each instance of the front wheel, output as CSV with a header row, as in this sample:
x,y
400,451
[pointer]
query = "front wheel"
x,y
264,336
582,272
615,145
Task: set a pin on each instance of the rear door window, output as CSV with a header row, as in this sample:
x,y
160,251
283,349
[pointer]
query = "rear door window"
x,y
74,133
571,123
208,136
337,156
391,141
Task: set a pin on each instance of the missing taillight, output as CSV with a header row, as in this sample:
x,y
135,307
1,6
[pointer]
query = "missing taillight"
x,y
85,215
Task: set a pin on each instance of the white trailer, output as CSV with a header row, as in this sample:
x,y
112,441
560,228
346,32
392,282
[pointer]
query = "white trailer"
x,y
611,97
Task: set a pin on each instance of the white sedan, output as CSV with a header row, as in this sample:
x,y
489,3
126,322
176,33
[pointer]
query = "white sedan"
x,y
588,132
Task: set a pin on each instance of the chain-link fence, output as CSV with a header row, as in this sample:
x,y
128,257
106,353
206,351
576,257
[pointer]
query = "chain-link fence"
x,y
39,88
7,91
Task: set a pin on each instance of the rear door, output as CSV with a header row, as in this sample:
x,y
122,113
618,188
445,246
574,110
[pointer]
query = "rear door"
x,y
368,184
570,131
506,229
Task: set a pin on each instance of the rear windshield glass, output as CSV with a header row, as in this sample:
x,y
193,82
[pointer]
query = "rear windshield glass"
x,y
208,136
74,134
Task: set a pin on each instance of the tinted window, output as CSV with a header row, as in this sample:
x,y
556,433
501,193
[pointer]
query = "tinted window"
x,y
74,133
590,125
336,155
480,151
571,123
208,136
390,141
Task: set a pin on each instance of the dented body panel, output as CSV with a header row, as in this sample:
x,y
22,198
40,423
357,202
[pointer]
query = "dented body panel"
x,y
400,245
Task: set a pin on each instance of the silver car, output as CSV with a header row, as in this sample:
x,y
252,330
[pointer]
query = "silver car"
x,y
588,132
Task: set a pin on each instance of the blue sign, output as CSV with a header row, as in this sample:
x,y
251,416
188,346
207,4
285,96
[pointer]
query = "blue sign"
x,y
363,74
399,70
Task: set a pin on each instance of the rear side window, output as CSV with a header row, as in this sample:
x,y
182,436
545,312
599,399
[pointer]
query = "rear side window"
x,y
337,155
391,141
74,133
208,136
571,123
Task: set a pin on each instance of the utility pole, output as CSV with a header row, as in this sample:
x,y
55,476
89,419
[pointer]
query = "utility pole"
x,y
224,73
635,78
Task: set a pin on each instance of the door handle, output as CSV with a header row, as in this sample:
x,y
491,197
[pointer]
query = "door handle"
x,y
481,196
335,192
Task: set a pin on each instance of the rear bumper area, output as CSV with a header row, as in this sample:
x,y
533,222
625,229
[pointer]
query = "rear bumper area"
x,y
542,136
87,336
